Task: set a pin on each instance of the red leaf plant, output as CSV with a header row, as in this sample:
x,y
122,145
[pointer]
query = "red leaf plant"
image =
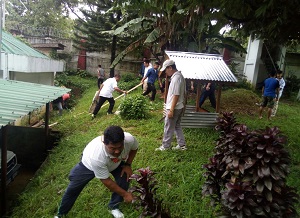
x,y
146,198
247,175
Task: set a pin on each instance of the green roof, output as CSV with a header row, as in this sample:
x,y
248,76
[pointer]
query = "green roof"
x,y
18,99
12,45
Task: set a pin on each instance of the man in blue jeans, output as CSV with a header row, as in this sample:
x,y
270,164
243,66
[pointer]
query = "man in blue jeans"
x,y
152,76
208,91
111,153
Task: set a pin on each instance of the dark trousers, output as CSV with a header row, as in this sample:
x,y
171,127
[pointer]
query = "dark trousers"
x,y
150,88
212,98
79,177
101,102
99,82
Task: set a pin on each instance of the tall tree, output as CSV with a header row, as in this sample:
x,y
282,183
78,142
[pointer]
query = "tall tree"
x,y
91,27
42,15
275,21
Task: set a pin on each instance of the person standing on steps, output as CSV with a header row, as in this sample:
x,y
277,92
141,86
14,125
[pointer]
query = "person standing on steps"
x,y
112,153
105,93
208,91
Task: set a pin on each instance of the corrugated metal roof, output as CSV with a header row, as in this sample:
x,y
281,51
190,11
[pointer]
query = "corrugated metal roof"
x,y
17,98
199,66
12,45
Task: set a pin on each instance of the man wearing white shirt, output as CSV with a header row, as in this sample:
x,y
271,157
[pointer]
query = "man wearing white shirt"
x,y
281,87
111,153
148,66
105,93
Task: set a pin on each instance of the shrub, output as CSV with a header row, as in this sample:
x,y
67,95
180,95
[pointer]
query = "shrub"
x,y
128,81
61,79
292,85
128,77
128,85
146,199
134,107
247,175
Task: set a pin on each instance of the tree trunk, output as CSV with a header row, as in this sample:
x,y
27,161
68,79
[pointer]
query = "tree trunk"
x,y
113,55
298,96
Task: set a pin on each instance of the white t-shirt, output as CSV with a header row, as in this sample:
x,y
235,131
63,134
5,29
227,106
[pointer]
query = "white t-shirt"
x,y
146,70
96,159
108,87
177,87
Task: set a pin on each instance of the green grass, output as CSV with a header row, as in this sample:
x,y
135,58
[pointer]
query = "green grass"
x,y
179,173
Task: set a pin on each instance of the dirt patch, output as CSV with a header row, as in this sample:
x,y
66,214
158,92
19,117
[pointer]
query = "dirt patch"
x,y
240,101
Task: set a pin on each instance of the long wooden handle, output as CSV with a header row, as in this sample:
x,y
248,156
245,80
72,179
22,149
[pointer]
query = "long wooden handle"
x,y
124,93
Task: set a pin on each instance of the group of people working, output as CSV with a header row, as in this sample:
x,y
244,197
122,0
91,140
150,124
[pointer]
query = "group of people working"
x,y
113,152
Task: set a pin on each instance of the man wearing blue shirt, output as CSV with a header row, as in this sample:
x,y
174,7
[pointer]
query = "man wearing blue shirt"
x,y
270,92
152,76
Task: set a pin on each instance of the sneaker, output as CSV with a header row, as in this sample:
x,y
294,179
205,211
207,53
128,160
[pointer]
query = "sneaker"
x,y
93,116
179,148
57,216
258,104
117,213
161,148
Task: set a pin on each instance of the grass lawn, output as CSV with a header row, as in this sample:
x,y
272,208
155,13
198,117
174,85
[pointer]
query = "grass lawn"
x,y
179,173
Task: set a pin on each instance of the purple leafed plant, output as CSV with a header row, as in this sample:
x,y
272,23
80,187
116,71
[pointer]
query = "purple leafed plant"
x,y
247,175
146,199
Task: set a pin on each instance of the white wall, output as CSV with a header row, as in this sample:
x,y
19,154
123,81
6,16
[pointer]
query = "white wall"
x,y
253,63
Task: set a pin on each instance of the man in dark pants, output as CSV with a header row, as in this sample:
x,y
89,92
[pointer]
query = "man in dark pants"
x,y
105,93
100,75
270,91
208,91
152,76
111,153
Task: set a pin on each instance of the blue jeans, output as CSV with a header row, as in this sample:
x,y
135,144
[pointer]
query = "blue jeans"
x,y
79,177
212,98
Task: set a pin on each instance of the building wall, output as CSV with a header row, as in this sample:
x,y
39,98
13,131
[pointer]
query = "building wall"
x,y
253,63
129,64
45,78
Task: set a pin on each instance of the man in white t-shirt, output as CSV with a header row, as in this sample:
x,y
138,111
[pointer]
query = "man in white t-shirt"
x,y
105,93
148,66
281,87
111,153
